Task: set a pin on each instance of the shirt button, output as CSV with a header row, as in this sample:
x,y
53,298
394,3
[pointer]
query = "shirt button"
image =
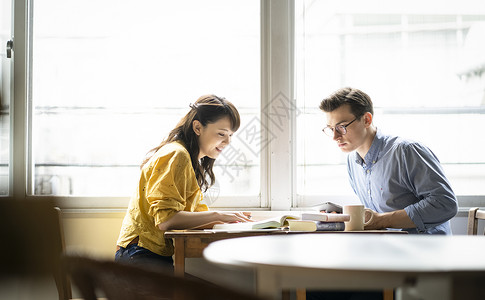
x,y
373,161
368,192
368,171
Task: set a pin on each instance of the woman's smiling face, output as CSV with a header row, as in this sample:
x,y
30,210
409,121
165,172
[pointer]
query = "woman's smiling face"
x,y
213,137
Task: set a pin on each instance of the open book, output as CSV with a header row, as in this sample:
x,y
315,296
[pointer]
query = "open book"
x,y
308,225
272,223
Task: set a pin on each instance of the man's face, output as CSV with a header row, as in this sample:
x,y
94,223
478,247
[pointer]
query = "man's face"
x,y
354,137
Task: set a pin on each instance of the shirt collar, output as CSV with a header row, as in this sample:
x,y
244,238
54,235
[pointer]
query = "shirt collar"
x,y
372,155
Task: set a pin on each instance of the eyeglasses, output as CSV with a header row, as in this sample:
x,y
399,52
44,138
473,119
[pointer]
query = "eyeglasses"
x,y
342,129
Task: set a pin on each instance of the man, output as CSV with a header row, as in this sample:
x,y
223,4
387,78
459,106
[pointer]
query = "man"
x,y
402,181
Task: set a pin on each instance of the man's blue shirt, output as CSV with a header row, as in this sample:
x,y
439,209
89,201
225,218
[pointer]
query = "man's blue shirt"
x,y
401,174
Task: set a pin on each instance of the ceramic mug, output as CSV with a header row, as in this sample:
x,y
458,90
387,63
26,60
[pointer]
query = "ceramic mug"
x,y
357,214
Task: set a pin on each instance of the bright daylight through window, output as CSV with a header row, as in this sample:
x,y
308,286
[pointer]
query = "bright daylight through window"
x,y
5,31
422,63
111,82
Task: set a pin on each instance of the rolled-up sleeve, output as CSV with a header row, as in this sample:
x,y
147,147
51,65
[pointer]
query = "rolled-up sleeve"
x,y
424,175
201,207
170,186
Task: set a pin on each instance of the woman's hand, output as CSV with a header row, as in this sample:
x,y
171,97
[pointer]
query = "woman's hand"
x,y
235,217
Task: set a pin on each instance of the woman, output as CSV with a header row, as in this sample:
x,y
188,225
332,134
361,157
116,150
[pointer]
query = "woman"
x,y
171,182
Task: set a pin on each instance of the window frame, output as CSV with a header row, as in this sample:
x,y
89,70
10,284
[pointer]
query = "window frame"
x,y
278,162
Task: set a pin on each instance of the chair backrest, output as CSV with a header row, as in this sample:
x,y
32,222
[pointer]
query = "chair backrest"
x,y
34,241
120,281
29,229
475,214
63,282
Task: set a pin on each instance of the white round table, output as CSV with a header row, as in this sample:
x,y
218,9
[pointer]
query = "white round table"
x,y
418,265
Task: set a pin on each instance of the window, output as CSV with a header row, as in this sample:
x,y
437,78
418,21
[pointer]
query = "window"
x,y
113,80
422,65
109,79
5,71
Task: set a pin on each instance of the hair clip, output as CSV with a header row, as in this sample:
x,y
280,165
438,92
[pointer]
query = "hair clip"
x,y
194,106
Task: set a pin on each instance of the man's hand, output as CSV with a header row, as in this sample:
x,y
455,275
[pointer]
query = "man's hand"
x,y
374,220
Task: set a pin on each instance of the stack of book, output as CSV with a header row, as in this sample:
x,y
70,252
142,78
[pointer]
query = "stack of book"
x,y
316,221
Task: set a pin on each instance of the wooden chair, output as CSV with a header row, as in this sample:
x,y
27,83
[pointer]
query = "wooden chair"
x,y
34,241
63,282
120,281
475,214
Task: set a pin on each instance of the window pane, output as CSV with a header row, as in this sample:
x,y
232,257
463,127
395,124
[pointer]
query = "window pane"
x,y
113,80
5,64
424,70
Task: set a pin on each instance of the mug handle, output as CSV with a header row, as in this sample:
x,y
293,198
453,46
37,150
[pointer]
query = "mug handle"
x,y
365,215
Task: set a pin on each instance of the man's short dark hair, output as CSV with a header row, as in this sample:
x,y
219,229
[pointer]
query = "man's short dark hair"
x,y
359,102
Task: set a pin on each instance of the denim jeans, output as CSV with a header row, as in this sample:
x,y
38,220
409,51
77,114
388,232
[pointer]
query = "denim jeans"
x,y
134,254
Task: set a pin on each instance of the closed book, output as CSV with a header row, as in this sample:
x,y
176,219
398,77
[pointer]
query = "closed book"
x,y
325,217
301,225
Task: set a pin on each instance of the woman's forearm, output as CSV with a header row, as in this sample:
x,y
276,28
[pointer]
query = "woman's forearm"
x,y
205,219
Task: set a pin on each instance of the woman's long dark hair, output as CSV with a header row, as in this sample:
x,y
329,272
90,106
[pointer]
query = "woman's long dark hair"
x,y
207,109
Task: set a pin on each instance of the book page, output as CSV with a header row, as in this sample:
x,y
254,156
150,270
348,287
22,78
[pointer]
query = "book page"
x,y
276,222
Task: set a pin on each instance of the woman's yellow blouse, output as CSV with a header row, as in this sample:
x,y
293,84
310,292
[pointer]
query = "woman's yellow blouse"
x,y
167,185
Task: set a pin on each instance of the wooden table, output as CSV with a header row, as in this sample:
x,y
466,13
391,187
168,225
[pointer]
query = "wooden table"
x,y
418,266
191,244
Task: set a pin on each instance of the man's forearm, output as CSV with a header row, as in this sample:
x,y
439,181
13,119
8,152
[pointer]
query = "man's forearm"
x,y
393,219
